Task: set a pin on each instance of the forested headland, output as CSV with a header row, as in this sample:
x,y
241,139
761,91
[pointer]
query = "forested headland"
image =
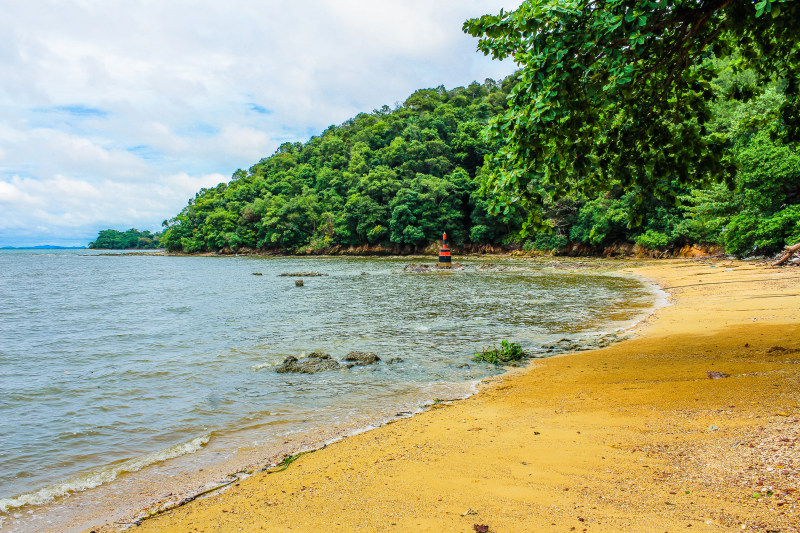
x,y
554,157
395,178
111,239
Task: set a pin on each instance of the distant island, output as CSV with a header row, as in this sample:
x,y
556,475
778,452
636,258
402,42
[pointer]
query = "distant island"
x,y
111,239
43,247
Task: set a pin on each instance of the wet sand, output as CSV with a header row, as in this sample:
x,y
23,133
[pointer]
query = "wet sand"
x,y
634,437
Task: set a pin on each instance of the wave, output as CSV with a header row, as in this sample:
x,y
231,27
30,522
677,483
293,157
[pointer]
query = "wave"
x,y
95,478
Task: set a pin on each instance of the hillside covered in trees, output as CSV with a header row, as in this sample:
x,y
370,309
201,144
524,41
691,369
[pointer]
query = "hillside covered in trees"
x,y
394,179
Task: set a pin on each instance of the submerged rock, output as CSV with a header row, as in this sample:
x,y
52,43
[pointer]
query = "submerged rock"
x,y
590,343
315,362
361,358
563,345
434,267
394,360
493,267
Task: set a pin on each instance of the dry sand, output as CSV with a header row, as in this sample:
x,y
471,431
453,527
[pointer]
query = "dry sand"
x,y
634,437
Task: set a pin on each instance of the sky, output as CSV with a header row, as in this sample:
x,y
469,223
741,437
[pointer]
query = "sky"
x,y
113,113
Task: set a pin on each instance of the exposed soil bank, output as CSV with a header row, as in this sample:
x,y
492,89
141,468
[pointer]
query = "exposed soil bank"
x,y
572,250
634,437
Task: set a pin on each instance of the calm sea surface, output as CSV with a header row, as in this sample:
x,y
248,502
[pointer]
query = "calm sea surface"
x,y
115,364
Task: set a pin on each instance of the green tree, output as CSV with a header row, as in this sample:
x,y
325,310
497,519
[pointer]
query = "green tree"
x,y
618,92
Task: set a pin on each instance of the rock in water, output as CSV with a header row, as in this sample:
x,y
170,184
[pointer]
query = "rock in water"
x,y
315,362
423,268
361,358
298,283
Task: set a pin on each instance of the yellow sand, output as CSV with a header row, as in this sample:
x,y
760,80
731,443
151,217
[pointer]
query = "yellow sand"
x,y
634,437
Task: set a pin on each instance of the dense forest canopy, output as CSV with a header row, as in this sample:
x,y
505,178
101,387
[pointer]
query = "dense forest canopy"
x,y
620,93
111,239
393,177
685,135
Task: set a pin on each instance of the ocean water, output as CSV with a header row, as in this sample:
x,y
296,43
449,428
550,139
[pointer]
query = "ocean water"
x,y
115,368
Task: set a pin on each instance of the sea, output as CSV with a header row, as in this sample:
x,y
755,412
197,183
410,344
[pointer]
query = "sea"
x,y
132,381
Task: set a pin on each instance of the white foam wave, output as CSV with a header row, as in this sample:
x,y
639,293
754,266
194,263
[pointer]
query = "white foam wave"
x,y
95,478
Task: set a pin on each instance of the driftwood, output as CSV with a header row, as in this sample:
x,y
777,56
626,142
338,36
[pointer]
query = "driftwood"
x,y
787,253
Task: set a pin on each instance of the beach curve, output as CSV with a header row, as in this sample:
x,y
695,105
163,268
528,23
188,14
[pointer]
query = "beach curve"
x,y
691,424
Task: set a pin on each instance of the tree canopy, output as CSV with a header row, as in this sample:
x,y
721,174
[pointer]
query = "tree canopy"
x,y
619,94
395,178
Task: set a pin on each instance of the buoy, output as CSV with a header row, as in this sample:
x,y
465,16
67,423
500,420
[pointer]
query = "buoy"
x,y
444,253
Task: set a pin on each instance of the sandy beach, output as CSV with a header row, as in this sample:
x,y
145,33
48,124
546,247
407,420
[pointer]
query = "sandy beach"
x,y
691,425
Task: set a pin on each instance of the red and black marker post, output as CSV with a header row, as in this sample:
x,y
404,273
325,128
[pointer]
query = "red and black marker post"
x,y
444,254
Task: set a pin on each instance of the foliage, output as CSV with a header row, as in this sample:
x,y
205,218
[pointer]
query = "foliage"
x,y
752,215
391,177
748,233
619,94
759,214
652,239
547,242
506,353
401,176
130,239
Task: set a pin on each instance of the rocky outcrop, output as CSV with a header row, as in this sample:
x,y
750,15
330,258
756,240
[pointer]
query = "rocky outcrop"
x,y
495,267
302,274
361,358
433,267
319,361
313,363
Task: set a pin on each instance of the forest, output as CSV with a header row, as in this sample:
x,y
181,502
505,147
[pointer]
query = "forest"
x,y
403,176
491,164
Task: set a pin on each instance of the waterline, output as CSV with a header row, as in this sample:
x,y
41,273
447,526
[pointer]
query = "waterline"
x,y
113,361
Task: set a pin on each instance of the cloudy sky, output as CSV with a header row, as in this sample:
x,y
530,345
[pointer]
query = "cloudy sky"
x,y
113,113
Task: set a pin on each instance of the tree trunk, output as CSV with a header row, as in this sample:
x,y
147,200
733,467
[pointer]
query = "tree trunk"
x,y
788,251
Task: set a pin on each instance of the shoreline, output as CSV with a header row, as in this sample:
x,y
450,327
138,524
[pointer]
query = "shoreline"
x,y
212,513
105,502
320,438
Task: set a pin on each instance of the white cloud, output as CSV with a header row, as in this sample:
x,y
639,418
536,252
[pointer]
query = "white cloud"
x,y
248,143
114,112
70,211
